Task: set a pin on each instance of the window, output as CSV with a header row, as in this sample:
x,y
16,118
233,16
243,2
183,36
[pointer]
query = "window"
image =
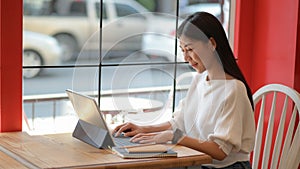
x,y
131,54
54,7
124,10
78,8
97,7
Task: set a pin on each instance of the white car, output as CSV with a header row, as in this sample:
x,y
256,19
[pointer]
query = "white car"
x,y
75,23
163,44
213,8
38,50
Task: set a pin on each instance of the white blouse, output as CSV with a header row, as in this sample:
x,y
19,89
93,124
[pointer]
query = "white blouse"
x,y
219,111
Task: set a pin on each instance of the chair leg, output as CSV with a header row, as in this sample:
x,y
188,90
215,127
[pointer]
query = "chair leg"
x,y
26,121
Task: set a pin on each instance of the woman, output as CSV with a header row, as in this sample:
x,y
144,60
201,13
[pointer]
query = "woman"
x,y
216,116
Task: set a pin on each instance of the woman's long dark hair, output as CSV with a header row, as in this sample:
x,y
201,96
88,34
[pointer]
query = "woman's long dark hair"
x,y
202,26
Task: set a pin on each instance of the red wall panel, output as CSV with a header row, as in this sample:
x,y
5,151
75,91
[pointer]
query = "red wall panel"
x,y
11,66
274,44
243,37
297,62
270,54
265,41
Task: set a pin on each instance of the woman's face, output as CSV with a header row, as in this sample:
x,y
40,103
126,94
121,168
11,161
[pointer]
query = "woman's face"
x,y
196,52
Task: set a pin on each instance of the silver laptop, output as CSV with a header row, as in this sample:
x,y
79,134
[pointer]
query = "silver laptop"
x,y
91,127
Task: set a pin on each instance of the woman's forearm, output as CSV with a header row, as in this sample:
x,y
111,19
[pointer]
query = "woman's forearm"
x,y
208,147
158,127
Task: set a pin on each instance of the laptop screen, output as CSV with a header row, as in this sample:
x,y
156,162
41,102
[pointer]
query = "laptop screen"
x,y
87,109
91,127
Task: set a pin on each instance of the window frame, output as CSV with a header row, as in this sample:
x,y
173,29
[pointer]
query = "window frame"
x,y
101,65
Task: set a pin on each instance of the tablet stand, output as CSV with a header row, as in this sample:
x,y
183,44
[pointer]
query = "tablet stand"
x,y
92,135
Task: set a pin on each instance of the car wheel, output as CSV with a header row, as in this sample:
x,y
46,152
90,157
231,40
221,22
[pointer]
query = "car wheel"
x,y
68,45
31,58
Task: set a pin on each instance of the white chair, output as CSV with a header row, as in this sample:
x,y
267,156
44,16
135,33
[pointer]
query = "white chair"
x,y
165,113
25,123
285,153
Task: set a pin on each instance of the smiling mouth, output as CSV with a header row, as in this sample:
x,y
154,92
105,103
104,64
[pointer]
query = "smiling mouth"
x,y
193,64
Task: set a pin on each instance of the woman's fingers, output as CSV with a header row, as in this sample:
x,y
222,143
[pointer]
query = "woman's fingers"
x,y
121,128
118,127
160,137
147,141
143,134
130,133
143,138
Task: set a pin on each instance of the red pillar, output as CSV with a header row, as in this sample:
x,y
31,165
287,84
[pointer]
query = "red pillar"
x,y
10,65
267,36
297,62
243,37
266,41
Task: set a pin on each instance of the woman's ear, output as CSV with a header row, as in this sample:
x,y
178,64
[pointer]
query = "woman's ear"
x,y
212,43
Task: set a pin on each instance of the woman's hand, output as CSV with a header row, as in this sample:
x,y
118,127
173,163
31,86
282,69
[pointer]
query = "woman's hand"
x,y
129,129
160,137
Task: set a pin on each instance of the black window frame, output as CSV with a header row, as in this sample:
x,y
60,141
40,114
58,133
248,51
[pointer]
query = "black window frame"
x,y
102,65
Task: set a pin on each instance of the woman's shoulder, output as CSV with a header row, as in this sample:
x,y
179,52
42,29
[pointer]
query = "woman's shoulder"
x,y
236,88
238,84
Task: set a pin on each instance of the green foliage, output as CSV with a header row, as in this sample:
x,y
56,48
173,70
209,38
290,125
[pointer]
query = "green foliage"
x,y
149,4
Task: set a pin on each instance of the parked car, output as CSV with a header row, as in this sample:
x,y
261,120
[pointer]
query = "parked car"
x,y
38,50
163,45
213,8
75,23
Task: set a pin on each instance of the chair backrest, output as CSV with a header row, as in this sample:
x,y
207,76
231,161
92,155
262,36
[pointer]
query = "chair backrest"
x,y
285,151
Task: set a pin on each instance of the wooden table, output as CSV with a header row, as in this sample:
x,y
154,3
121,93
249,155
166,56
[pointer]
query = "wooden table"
x,y
8,162
64,151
